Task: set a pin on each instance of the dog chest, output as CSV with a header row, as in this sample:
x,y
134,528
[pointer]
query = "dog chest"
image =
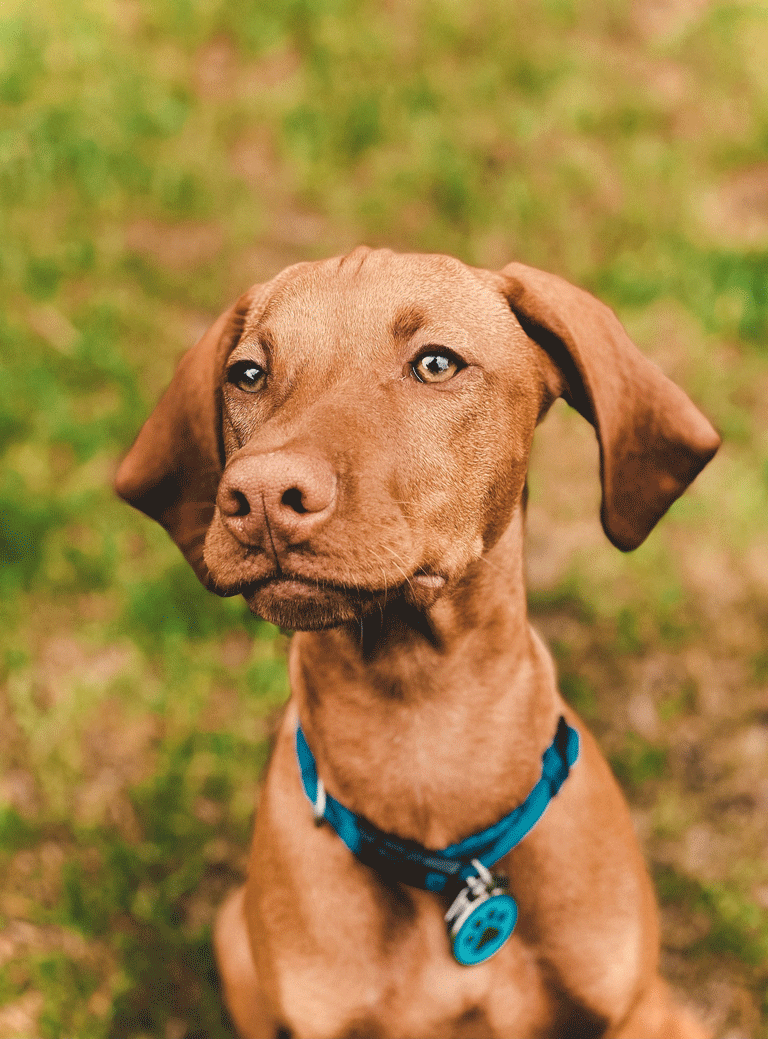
x,y
408,987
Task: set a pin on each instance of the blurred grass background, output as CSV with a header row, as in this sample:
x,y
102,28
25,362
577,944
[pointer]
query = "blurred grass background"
x,y
157,157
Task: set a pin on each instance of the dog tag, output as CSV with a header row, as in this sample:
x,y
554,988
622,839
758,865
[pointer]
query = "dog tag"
x,y
481,918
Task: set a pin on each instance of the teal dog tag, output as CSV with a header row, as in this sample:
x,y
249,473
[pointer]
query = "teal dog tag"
x,y
481,918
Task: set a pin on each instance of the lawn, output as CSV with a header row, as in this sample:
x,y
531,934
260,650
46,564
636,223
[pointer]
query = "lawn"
x,y
159,156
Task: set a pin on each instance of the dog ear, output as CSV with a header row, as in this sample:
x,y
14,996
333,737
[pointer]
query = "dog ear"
x,y
653,439
172,472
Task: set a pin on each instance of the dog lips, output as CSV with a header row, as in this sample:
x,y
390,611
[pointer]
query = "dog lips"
x,y
432,581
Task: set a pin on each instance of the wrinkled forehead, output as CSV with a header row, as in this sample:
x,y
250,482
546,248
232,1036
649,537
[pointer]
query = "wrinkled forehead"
x,y
370,296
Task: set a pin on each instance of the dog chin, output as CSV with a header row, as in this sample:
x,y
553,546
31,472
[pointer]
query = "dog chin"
x,y
303,607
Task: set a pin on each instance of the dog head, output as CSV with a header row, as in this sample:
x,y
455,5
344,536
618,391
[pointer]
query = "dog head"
x,y
359,429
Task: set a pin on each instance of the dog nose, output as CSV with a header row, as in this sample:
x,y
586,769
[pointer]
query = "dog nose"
x,y
281,497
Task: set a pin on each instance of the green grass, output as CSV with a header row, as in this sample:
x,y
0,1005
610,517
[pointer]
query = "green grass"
x,y
155,159
732,928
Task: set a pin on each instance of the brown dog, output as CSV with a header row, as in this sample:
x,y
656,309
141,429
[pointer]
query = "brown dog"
x,y
347,448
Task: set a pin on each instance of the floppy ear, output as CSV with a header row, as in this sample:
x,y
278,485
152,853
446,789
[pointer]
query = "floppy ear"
x,y
172,472
653,439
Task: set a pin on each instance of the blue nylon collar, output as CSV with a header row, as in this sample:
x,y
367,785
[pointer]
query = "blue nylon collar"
x,y
410,862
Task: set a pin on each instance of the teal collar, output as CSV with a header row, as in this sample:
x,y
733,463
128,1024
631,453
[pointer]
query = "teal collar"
x,y
409,862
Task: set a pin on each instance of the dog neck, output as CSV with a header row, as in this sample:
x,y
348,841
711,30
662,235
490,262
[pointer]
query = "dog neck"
x,y
432,723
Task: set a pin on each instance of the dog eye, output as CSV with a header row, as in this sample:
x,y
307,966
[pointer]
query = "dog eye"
x,y
436,367
246,375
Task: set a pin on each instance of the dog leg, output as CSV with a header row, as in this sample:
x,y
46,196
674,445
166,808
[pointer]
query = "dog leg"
x,y
657,1016
239,979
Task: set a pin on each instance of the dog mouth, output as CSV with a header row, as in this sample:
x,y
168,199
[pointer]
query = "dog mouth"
x,y
304,603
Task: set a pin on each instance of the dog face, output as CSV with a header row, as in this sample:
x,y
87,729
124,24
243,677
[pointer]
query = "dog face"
x,y
377,416
358,430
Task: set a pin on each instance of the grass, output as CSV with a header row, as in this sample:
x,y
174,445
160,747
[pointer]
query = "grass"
x,y
155,159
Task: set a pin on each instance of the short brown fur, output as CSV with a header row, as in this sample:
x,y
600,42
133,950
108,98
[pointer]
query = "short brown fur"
x,y
382,517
